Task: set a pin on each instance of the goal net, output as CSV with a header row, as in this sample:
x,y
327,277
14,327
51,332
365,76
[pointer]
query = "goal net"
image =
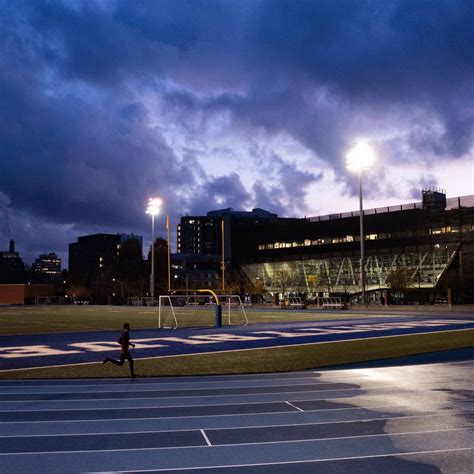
x,y
199,310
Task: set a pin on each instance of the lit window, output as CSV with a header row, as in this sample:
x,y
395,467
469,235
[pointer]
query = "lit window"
x,y
307,242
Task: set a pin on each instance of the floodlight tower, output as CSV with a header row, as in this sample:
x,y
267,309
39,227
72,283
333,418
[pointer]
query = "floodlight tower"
x,y
359,158
153,210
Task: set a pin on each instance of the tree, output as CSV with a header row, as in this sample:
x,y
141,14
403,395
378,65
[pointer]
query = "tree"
x,y
78,291
283,280
400,278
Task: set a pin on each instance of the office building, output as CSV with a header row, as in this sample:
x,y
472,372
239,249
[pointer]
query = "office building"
x,y
47,267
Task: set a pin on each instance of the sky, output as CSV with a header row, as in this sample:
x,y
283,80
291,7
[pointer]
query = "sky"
x,y
211,104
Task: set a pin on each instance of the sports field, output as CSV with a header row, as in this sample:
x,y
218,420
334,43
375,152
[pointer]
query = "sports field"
x,y
71,341
16,320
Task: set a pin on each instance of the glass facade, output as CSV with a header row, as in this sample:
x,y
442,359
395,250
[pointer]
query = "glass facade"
x,y
342,274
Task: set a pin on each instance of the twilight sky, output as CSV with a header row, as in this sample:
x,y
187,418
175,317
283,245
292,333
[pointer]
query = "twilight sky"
x,y
212,103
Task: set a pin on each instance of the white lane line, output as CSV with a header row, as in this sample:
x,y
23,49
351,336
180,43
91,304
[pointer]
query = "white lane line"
x,y
127,399
291,405
89,420
217,428
351,400
205,437
293,441
306,461
390,418
136,388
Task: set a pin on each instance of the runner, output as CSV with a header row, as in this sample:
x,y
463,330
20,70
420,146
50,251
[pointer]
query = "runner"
x,y
125,343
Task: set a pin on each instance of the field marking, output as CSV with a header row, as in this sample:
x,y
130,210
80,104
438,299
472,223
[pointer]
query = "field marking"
x,y
346,400
305,461
127,389
322,410
127,399
205,438
390,435
291,405
339,341
246,427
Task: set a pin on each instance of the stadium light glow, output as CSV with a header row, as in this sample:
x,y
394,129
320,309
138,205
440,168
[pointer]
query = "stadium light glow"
x,y
154,205
360,157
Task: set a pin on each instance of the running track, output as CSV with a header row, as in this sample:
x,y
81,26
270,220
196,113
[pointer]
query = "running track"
x,y
410,419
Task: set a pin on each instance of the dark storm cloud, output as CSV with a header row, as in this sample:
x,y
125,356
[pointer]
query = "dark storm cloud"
x,y
92,93
220,193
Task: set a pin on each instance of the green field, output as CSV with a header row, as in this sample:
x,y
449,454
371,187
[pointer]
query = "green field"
x,y
53,319
49,319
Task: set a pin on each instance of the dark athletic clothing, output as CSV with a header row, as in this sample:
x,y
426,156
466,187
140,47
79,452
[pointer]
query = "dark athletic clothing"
x,y
124,342
123,357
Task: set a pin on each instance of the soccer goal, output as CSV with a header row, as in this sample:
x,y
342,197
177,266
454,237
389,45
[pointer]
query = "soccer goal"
x,y
199,310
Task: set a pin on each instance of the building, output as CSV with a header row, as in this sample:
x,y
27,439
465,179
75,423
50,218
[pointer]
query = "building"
x,y
12,268
202,235
47,267
95,257
433,238
203,242
199,235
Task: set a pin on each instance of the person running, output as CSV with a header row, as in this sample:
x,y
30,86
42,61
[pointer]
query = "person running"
x,y
125,343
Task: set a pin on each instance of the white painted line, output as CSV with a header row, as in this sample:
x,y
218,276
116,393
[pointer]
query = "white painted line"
x,y
247,427
155,388
293,441
346,458
127,399
205,437
180,417
291,405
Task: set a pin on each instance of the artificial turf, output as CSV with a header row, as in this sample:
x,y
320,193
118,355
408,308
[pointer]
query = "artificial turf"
x,y
18,320
274,359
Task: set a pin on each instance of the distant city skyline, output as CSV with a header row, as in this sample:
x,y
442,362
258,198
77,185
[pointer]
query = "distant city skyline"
x,y
239,104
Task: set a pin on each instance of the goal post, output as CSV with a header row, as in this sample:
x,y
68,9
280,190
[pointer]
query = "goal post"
x,y
194,310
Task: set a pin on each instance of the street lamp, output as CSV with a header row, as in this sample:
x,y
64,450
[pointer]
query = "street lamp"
x,y
359,158
153,209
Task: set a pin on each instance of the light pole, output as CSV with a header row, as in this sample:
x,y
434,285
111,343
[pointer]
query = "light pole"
x,y
153,209
359,158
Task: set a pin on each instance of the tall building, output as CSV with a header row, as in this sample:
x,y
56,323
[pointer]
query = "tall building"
x,y
202,235
94,256
47,267
199,235
12,268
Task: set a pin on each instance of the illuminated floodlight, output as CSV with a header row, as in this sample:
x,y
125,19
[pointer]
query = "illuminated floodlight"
x,y
360,157
154,205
